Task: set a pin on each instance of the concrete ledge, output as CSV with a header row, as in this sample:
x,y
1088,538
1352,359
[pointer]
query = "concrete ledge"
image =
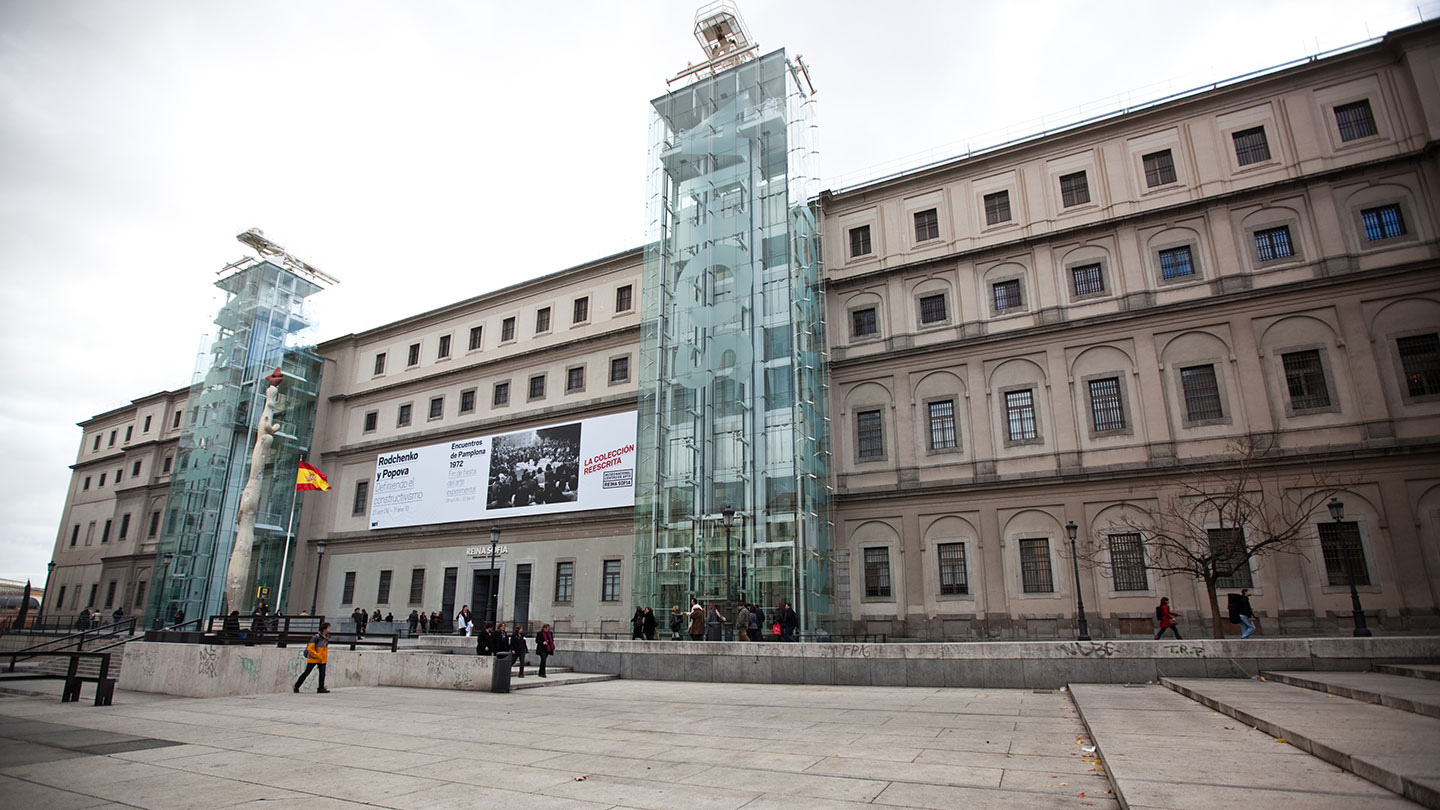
x,y
1414,695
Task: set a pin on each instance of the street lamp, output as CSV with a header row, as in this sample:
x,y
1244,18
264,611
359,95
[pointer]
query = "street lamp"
x,y
1072,530
493,609
727,515
49,572
1337,513
319,560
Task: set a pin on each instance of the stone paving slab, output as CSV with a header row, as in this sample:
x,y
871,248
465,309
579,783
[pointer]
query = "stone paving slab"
x,y
1430,671
1416,695
1163,750
1397,750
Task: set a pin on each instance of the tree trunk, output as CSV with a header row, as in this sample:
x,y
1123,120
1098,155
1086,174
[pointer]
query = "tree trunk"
x,y
1216,623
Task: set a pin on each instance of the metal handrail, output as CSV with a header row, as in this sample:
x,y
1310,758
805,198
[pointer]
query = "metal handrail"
x,y
76,640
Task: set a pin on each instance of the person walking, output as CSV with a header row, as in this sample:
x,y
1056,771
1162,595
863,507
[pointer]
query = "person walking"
x,y
519,647
697,621
714,625
677,622
544,645
82,622
757,618
317,652
742,623
414,621
789,622
1242,613
649,624
637,625
1167,618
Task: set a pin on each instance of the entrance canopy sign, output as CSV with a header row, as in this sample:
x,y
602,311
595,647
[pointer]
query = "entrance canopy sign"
x,y
567,467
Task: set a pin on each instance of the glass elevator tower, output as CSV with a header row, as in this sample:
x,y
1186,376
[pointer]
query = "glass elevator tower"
x,y
732,498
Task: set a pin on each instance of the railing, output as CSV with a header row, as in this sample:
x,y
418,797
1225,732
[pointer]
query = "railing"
x,y
78,640
820,638
104,684
48,625
281,631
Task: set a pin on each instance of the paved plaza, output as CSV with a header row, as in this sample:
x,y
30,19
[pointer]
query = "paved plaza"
x,y
618,744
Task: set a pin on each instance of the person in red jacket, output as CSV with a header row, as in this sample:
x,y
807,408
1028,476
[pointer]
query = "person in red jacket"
x,y
317,652
1167,618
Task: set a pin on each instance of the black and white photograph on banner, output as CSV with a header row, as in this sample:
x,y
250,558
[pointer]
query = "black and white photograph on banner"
x,y
535,467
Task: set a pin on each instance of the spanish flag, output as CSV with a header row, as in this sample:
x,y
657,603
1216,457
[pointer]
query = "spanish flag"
x,y
310,478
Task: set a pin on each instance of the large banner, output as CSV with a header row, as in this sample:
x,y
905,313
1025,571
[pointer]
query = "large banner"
x,y
589,464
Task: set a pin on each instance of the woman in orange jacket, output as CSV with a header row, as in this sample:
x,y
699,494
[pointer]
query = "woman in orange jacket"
x,y
317,652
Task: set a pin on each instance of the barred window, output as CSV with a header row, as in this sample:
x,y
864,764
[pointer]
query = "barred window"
x,y
564,581
507,329
863,322
860,241
610,581
537,386
877,572
1087,279
927,225
1251,146
1384,222
1420,359
475,333
869,435
467,400
347,594
1035,566
1340,543
575,378
1202,393
1273,243
1176,262
372,419
382,591
1159,168
1020,415
1305,379
437,407
1106,410
942,425
1227,546
417,585
932,309
501,394
1074,189
1355,120
542,320
1007,294
1127,562
619,369
954,579
361,499
997,208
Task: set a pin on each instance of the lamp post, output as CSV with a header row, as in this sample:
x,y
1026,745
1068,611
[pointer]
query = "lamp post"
x,y
727,515
319,561
493,609
49,572
1071,530
1337,513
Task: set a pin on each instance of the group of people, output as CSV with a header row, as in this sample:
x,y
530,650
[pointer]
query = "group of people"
x,y
90,617
545,471
1238,607
493,640
709,625
362,619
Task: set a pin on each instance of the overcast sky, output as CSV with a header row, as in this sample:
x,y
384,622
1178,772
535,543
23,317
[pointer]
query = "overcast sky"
x,y
425,152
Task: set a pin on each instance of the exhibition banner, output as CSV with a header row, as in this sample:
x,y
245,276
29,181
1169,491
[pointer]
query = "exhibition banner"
x,y
569,467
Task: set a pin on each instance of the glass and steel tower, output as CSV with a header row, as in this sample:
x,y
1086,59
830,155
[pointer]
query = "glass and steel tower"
x,y
732,490
262,325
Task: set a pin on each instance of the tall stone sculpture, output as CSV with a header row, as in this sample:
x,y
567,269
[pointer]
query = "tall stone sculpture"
x,y
237,576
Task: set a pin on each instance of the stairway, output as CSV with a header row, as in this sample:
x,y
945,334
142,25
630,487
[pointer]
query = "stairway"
x,y
89,667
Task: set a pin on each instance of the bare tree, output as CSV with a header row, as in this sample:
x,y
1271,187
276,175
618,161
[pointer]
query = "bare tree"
x,y
1252,504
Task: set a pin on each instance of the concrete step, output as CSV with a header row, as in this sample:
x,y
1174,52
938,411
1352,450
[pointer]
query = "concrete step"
x,y
89,667
558,679
1427,671
1415,695
1161,749
1397,750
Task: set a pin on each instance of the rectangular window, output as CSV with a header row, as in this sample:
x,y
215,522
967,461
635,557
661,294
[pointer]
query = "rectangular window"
x,y
954,580
140,594
1420,360
1227,548
146,428
86,486
105,532
1340,544
75,533
1087,279
165,467
610,581
1176,262
619,369
877,572
575,378
135,469
863,322
475,334
942,425
372,420
624,298
1251,146
1202,393
932,309
379,363
1305,378
444,350
362,497
537,386
467,400
347,594
582,310
417,586
129,432
96,447
1020,415
91,601
1159,169
413,358
111,442
402,416
154,527
860,241
437,407
1273,243
124,526
178,414
102,479
997,208
507,329
110,594
60,603
1107,412
119,474
1035,566
1355,120
1007,295
1127,562
1384,222
869,436
1074,189
501,394
927,225
542,320
564,581
382,592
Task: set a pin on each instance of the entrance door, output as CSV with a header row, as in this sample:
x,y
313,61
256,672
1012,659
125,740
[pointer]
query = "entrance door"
x,y
447,601
483,582
522,594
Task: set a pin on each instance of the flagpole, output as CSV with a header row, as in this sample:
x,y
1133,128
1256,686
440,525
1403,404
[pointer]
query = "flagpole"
x,y
285,556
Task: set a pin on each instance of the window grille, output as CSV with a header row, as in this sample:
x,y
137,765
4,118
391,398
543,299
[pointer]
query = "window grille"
x,y
610,581
1273,243
860,241
575,378
417,585
1087,279
1127,562
1074,189
869,436
1007,294
1420,359
954,579
1035,566
942,425
467,400
1355,120
1202,393
1251,146
997,208
564,581
1106,410
1384,222
1159,169
932,309
347,594
1305,377
1229,551
362,498
437,407
1176,262
1020,415
501,394
382,591
877,572
863,322
927,225
619,369
537,386
1340,542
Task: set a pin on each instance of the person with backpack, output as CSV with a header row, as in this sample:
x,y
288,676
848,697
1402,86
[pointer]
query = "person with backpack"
x,y
1166,618
1242,613
317,652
